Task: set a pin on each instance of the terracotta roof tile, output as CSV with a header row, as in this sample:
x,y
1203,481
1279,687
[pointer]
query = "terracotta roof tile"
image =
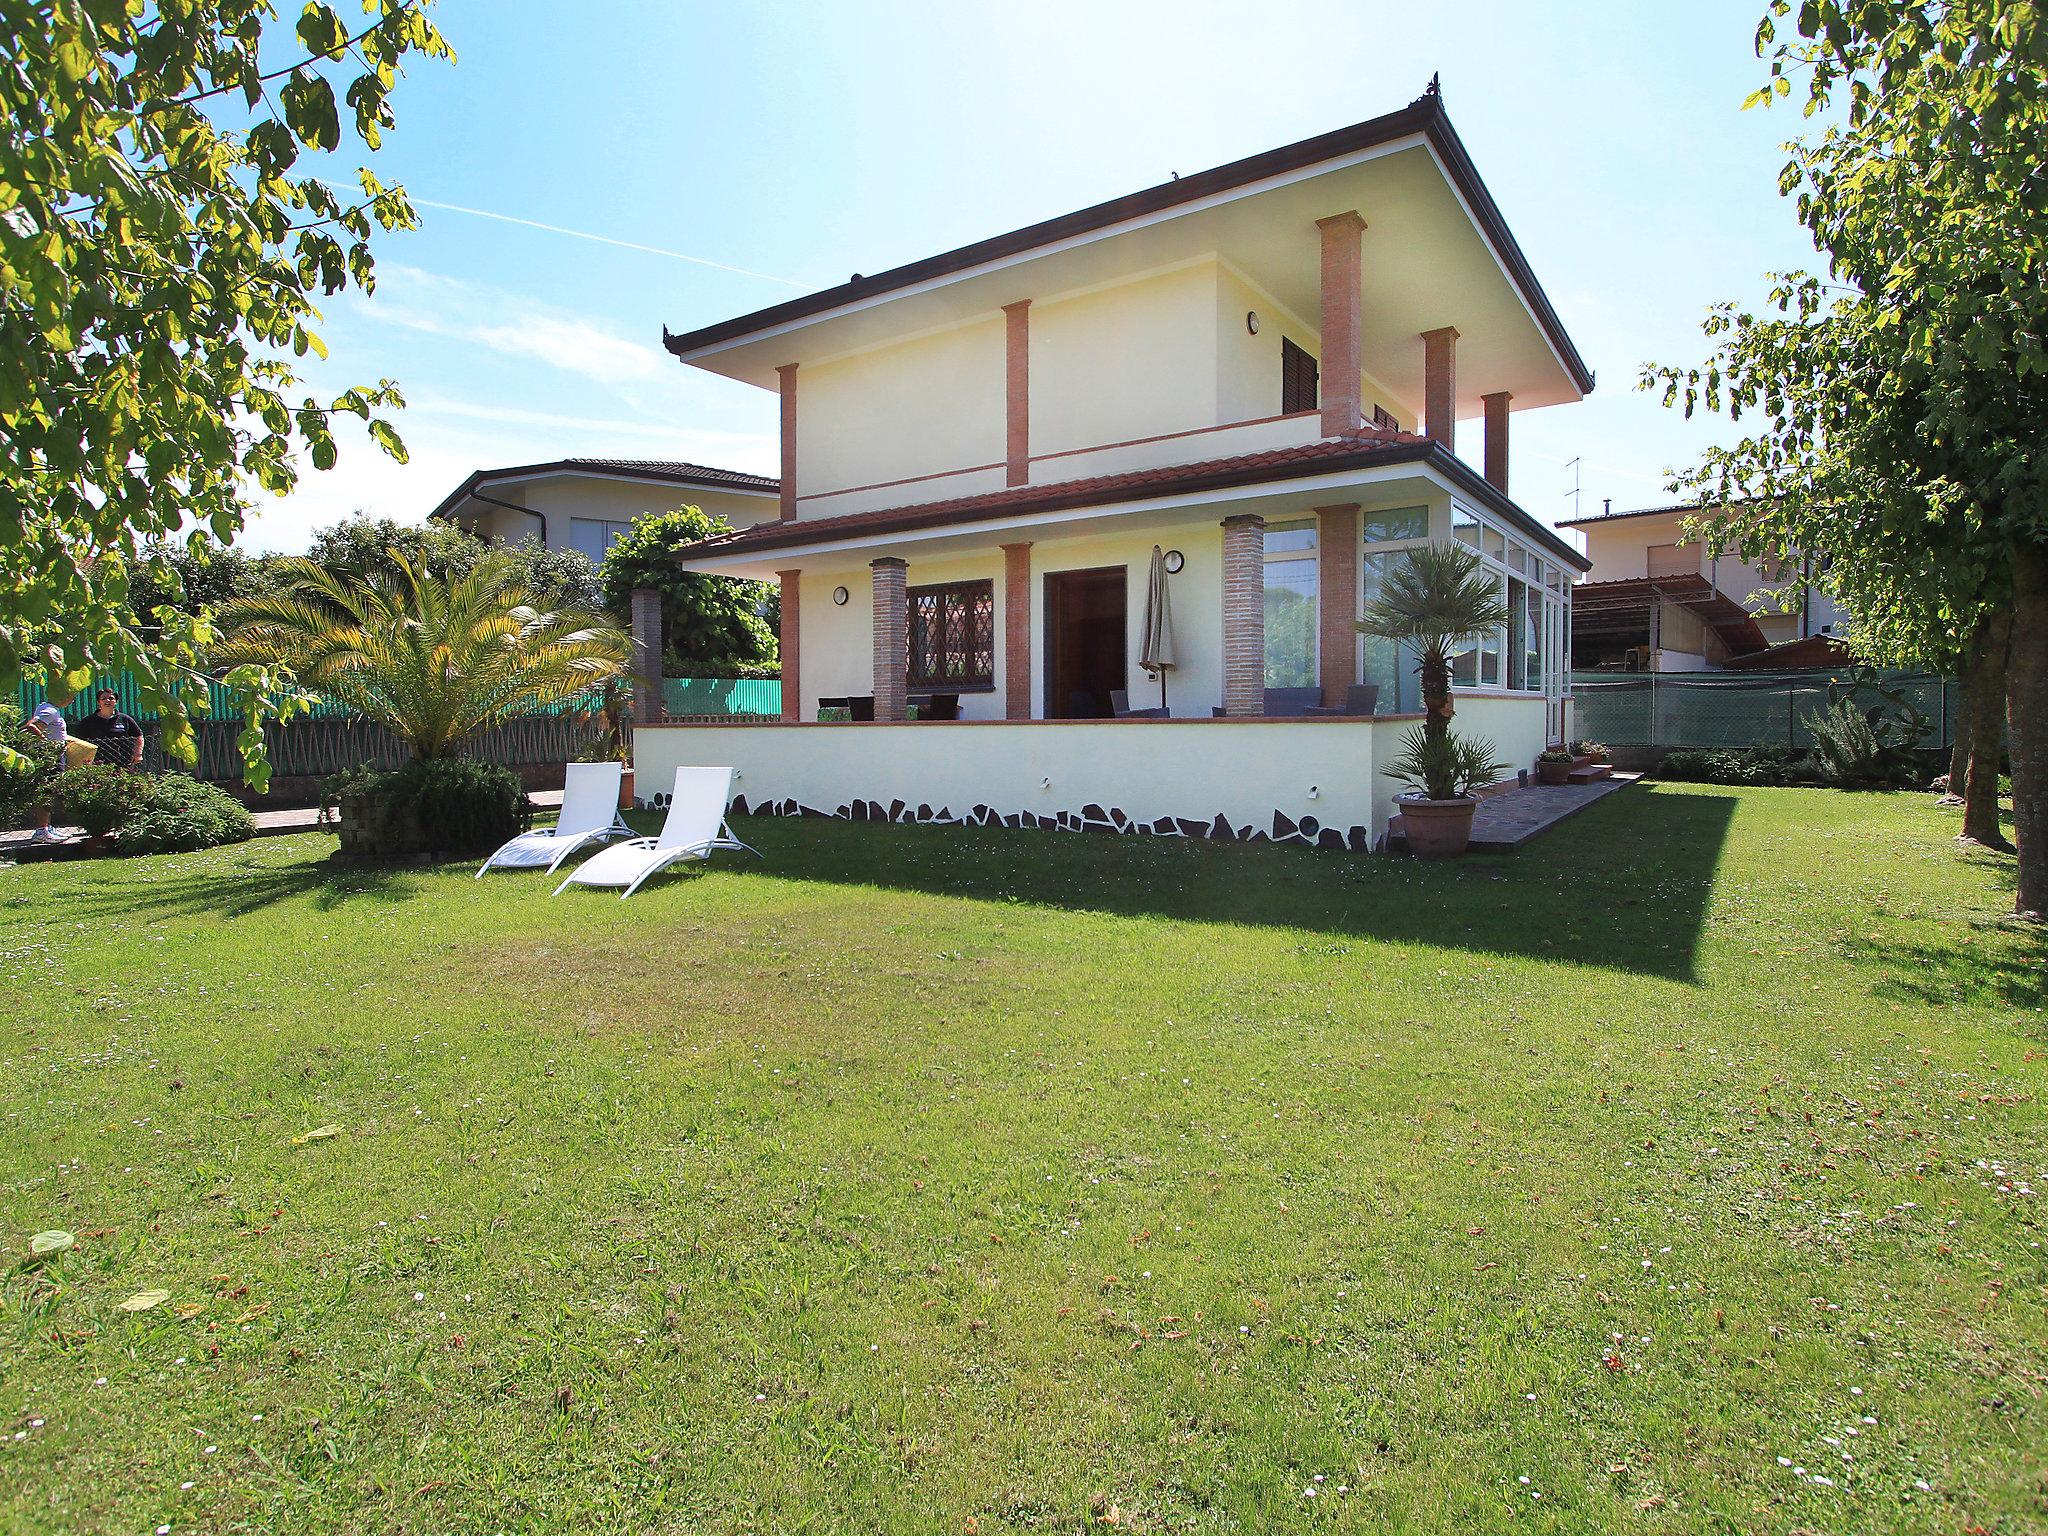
x,y
1368,447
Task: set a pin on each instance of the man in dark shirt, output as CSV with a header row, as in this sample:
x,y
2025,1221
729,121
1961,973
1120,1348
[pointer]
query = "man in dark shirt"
x,y
118,736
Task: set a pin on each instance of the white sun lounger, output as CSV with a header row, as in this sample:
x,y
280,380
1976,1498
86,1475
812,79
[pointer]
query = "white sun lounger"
x,y
695,828
590,815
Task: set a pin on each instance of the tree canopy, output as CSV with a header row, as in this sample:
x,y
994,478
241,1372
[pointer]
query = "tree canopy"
x,y
711,625
1893,408
161,252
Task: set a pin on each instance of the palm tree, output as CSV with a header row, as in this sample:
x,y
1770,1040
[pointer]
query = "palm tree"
x,y
1438,600
435,660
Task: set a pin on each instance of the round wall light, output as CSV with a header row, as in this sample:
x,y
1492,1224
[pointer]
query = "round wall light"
x,y
839,596
1251,321
1174,561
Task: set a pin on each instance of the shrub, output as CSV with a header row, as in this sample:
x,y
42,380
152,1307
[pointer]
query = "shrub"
x,y
1768,766
24,780
179,814
451,807
1856,750
99,797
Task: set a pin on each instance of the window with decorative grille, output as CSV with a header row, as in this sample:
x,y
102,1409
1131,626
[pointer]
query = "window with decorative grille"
x,y
953,636
1297,379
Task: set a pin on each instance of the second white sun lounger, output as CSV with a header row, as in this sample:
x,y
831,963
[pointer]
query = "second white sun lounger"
x,y
590,815
695,828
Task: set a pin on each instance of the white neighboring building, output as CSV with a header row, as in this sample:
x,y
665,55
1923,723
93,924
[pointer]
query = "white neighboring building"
x,y
1654,603
587,503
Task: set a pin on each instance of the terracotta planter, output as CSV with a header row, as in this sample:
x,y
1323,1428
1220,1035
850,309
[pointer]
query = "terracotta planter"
x,y
626,801
1437,829
1557,771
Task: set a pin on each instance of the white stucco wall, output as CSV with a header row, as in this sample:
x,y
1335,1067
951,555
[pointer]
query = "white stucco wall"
x,y
1242,770
920,406
1133,360
1248,366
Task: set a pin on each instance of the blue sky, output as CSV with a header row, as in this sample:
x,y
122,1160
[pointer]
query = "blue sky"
x,y
804,142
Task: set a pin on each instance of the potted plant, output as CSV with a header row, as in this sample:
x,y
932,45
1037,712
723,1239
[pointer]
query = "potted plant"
x,y
1590,751
1554,765
1438,601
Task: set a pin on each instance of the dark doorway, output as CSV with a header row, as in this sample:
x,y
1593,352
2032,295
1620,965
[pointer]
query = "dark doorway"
x,y
1084,642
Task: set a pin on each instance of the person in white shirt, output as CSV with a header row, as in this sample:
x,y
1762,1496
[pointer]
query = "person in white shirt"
x,y
48,722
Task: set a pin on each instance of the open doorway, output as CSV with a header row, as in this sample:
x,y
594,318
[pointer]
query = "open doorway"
x,y
1085,643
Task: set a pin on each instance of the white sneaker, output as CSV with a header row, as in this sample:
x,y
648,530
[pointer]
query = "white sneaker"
x,y
46,835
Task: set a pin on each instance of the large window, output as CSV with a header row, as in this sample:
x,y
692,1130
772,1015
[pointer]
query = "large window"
x,y
1529,654
952,637
1391,664
1291,605
593,536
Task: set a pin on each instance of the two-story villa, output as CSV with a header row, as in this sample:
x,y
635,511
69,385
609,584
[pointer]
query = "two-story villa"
x,y
1260,372
1658,600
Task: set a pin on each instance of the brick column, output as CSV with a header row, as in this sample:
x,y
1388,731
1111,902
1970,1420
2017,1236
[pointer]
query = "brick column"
x,y
786,377
892,639
1342,324
1440,385
1337,600
1497,439
1016,631
792,644
645,608
1244,615
1017,392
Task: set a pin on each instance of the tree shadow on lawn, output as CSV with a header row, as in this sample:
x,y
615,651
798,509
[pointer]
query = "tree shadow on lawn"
x,y
1624,885
234,887
2004,962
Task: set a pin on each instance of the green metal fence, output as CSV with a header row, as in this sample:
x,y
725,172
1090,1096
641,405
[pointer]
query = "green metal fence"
x,y
721,695
1738,709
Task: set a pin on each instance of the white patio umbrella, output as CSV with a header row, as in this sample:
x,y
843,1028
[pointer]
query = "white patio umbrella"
x,y
1157,656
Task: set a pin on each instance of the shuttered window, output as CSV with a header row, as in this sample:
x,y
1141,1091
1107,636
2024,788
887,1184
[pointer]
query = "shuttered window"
x,y
953,636
1297,379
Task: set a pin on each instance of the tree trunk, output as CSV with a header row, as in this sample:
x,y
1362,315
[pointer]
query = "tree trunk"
x,y
1959,752
2026,708
1987,665
1436,695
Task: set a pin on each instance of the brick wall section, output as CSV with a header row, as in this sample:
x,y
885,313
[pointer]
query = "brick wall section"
x,y
792,645
1017,392
1497,439
1244,615
1342,324
1440,385
645,609
892,638
1337,556
1016,631
786,378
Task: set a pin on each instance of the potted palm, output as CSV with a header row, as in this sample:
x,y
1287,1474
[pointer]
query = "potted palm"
x,y
1438,601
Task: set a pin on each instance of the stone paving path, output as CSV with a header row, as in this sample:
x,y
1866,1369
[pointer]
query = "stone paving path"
x,y
1509,819
268,823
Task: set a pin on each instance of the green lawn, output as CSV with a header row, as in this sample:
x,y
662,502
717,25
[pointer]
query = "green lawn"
x,y
1682,1173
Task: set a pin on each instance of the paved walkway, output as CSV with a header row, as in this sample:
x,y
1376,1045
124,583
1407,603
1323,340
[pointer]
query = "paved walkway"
x,y
268,823
1509,819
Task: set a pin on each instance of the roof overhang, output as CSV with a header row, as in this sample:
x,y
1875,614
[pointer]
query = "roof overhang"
x,y
1622,608
1437,252
1295,490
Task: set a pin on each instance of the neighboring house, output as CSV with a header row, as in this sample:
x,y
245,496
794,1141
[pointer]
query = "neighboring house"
x,y
586,503
1258,369
1654,602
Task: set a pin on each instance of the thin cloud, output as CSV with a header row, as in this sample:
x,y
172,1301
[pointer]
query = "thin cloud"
x,y
508,323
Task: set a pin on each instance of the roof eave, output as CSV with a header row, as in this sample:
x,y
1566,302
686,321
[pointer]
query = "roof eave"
x,y
1425,115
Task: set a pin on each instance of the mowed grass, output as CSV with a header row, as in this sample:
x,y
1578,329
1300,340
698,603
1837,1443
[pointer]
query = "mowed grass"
x,y
1682,1173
